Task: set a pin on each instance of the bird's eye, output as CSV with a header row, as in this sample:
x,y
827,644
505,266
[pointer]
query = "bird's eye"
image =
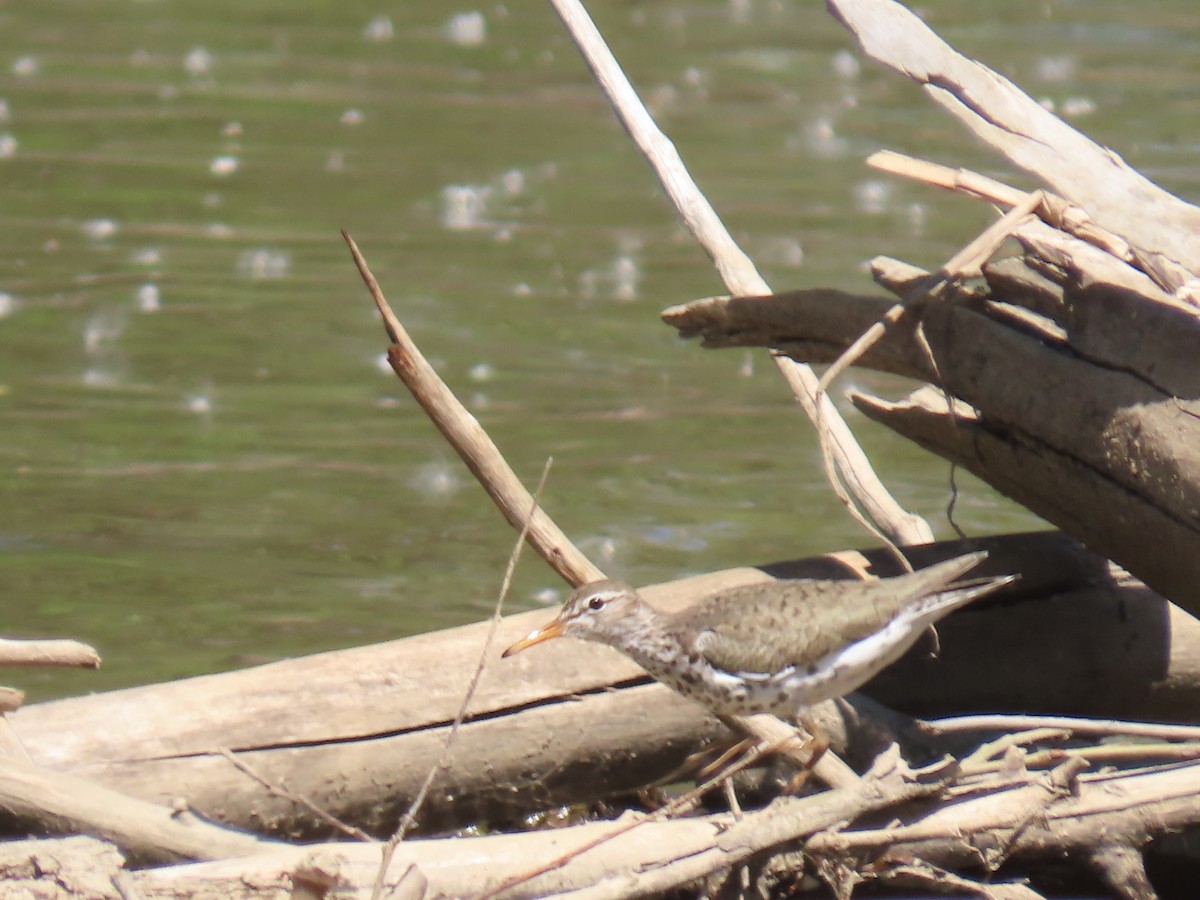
x,y
596,604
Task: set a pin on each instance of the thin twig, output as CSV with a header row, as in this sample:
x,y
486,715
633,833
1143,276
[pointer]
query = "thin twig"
x,y
472,443
1074,724
965,263
738,273
1055,211
682,803
410,817
286,793
58,652
123,884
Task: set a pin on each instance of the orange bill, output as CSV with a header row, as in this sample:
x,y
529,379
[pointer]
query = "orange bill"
x,y
546,632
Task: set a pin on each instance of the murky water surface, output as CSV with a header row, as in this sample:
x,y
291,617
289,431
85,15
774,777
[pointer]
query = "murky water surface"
x,y
203,462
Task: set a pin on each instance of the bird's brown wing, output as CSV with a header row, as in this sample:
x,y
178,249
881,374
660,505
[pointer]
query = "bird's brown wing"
x,y
799,622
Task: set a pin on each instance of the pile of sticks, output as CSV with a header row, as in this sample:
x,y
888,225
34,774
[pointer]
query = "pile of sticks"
x,y
1033,381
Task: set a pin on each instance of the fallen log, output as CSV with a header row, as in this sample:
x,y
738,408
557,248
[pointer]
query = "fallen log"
x,y
1099,450
1072,365
356,731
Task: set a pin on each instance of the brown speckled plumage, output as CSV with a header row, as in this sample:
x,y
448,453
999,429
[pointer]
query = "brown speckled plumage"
x,y
776,646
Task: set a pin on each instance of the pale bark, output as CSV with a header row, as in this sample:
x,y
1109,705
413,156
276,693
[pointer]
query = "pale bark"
x,y
356,731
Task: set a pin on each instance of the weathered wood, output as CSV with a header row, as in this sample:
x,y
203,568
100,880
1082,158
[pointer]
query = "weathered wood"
x,y
1061,814
48,653
1116,196
52,802
72,868
1055,484
356,731
1084,434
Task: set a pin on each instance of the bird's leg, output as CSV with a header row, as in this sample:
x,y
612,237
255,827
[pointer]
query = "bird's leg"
x,y
731,798
816,745
818,740
733,751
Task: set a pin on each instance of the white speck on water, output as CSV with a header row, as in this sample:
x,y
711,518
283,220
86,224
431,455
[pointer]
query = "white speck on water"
x,y
198,404
352,117
513,182
917,214
224,166
464,206
1055,68
661,99
147,298
264,263
846,65
522,290
100,229
379,30
608,549
219,230
8,305
1074,107
618,279
101,331
100,376
783,251
435,481
872,196
625,278
822,139
382,364
547,595
335,162
26,66
467,29
147,256
746,369
231,130
8,146
198,63
481,372
739,11
674,537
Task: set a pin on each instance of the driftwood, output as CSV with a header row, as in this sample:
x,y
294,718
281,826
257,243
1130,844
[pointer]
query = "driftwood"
x,y
289,747
1072,364
53,801
1053,813
67,867
850,473
356,730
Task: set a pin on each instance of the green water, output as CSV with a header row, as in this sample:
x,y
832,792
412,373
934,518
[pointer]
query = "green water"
x,y
202,463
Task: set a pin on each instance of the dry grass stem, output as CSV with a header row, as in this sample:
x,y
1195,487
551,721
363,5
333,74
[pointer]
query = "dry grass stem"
x,y
280,790
410,817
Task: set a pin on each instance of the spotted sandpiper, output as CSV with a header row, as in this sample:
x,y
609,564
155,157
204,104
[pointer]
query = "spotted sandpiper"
x,y
779,646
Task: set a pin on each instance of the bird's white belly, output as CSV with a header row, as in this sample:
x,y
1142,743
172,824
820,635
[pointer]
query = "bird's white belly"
x,y
786,692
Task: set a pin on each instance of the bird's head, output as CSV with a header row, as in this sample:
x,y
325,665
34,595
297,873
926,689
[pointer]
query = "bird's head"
x,y
602,611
